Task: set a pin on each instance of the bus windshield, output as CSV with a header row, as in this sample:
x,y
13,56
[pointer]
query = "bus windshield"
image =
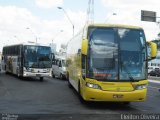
x,y
37,56
116,54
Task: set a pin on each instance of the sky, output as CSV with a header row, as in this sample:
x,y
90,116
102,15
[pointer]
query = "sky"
x,y
28,20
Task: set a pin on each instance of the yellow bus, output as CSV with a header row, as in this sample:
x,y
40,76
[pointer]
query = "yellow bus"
x,y
109,63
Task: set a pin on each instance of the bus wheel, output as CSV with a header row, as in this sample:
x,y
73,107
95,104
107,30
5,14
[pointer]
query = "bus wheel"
x,y
41,79
18,73
19,76
61,76
53,75
126,103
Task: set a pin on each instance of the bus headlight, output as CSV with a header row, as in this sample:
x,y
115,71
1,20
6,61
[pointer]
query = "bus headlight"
x,y
91,85
140,87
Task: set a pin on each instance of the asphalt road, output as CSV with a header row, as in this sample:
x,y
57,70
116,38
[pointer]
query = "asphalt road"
x,y
54,97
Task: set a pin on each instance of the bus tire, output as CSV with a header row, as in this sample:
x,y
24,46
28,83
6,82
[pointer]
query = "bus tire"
x,y
18,73
41,79
53,75
126,103
61,76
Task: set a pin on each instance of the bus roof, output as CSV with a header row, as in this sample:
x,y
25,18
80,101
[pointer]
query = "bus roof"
x,y
115,25
28,43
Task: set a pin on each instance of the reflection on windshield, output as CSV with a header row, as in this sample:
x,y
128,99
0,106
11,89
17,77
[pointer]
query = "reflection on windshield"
x,y
37,56
132,55
116,53
103,57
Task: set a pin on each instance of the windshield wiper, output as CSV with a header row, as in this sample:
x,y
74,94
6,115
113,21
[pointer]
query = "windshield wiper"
x,y
127,71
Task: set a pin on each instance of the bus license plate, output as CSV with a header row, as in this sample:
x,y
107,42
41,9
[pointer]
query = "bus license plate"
x,y
118,96
38,75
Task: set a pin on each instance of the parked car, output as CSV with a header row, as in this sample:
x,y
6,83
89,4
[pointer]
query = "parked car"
x,y
155,72
59,68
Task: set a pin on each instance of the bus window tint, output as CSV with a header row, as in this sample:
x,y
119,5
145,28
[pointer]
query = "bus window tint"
x,y
37,56
102,54
116,54
132,54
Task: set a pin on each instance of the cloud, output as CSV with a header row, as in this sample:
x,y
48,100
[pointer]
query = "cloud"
x,y
15,20
48,3
129,12
13,23
77,18
136,4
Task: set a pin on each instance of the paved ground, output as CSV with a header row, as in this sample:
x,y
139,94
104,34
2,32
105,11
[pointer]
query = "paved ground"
x,y
31,97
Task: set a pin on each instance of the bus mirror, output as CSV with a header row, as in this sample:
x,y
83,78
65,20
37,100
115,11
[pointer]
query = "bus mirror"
x,y
84,49
152,50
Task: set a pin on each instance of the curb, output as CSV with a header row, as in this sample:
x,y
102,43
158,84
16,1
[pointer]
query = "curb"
x,y
154,78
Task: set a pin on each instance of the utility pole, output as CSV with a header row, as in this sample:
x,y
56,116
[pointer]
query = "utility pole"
x,y
90,12
61,8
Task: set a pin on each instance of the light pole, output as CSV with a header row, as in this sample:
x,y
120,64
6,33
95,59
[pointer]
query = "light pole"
x,y
110,16
67,17
32,33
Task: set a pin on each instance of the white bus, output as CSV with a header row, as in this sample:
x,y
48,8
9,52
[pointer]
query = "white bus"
x,y
27,60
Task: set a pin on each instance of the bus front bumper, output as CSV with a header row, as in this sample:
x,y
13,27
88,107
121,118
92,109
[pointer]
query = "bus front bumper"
x,y
28,74
91,94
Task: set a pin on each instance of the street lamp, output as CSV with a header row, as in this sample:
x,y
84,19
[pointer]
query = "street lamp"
x,y
110,16
67,17
32,33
